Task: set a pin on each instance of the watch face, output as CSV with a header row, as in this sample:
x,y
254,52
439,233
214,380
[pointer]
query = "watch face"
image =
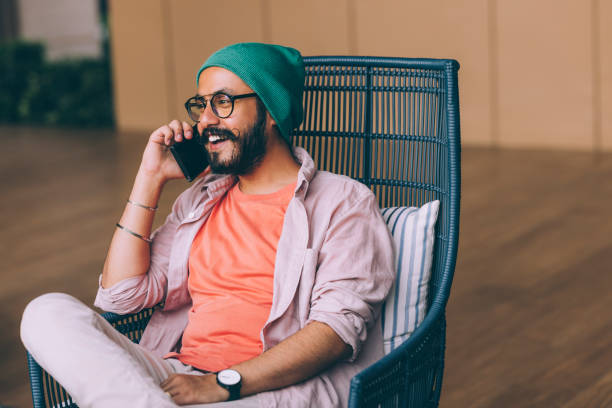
x,y
229,377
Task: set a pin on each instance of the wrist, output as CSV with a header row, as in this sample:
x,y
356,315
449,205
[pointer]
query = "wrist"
x,y
148,184
147,189
151,180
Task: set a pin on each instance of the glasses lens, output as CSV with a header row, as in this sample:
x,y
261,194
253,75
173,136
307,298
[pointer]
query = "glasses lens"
x,y
222,105
194,109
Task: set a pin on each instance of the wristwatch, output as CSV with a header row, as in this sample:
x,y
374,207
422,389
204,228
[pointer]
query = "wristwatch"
x,y
231,380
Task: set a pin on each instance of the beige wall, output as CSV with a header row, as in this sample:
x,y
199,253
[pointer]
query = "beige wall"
x,y
545,73
534,73
605,73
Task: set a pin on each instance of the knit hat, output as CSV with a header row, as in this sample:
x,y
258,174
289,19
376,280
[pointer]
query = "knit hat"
x,y
274,72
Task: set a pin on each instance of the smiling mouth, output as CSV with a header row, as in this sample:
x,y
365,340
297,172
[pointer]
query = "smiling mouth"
x,y
214,139
215,136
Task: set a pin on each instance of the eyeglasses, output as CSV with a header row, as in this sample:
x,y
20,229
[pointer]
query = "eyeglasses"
x,y
221,103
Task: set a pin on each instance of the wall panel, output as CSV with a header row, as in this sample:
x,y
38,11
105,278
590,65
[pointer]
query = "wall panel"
x,y
545,74
315,27
139,74
605,72
456,29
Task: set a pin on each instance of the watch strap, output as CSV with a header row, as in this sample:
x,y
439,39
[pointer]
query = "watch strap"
x,y
234,390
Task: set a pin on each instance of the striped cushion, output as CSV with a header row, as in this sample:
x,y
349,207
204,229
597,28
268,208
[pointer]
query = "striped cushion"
x,y
412,229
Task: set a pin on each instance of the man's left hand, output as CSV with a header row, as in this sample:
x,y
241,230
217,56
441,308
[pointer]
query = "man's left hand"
x,y
194,389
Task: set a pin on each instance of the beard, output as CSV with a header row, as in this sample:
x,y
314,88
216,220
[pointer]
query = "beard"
x,y
248,150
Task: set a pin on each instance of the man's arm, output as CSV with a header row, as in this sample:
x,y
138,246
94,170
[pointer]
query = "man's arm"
x,y
297,358
128,255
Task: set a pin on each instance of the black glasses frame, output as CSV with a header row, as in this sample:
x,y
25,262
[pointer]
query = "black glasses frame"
x,y
201,101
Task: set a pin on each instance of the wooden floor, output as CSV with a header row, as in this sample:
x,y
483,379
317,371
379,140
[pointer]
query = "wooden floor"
x,y
530,314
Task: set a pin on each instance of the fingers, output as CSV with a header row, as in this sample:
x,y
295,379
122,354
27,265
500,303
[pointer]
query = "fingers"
x,y
187,130
177,130
164,384
169,385
192,389
179,387
171,133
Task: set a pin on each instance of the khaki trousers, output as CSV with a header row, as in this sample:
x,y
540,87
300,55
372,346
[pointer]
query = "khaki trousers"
x,y
97,365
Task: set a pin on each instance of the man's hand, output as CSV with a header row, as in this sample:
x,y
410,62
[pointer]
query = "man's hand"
x,y
194,389
157,160
129,256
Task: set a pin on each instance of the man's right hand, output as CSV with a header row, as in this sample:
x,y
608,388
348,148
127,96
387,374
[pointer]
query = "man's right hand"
x,y
129,255
157,160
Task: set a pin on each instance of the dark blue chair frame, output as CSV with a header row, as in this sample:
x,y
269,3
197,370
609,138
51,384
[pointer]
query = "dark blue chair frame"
x,y
393,124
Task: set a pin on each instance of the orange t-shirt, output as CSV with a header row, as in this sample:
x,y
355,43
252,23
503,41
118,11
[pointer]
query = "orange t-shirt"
x,y
231,278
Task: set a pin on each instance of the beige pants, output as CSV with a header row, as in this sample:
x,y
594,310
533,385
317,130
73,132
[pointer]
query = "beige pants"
x,y
96,364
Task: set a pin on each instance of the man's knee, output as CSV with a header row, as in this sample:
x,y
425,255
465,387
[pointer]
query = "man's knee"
x,y
45,313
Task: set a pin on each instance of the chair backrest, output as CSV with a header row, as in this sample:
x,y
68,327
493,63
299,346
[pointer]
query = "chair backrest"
x,y
392,124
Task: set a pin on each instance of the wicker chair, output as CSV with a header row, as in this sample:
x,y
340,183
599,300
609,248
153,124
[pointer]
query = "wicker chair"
x,y
392,124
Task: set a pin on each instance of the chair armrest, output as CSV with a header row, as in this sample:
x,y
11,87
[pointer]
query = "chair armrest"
x,y
409,376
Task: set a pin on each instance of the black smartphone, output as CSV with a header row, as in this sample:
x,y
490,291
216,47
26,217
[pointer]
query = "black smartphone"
x,y
190,155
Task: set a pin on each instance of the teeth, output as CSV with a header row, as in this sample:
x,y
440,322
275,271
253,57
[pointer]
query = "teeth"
x,y
214,138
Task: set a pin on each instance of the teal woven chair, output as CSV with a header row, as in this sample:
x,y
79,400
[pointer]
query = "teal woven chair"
x,y
392,124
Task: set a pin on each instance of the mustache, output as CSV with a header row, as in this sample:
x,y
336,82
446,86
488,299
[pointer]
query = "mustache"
x,y
208,132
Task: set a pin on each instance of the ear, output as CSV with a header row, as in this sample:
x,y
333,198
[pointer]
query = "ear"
x,y
271,124
272,127
270,119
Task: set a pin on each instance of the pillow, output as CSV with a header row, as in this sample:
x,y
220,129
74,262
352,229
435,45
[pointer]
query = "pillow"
x,y
412,229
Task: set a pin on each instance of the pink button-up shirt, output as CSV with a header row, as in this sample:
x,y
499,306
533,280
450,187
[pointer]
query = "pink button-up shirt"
x,y
334,264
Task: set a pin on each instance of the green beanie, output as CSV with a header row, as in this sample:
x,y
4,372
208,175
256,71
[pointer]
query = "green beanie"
x,y
274,72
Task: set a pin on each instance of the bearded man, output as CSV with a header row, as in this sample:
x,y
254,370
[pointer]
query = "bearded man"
x,y
268,274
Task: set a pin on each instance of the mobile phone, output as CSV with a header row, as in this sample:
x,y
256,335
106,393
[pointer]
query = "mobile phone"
x,y
190,155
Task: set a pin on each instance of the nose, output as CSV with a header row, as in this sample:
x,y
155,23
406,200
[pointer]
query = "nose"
x,y
207,118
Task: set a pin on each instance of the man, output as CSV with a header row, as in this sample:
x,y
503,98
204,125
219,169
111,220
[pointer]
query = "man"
x,y
270,274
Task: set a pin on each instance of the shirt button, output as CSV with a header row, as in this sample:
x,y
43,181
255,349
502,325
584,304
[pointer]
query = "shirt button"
x,y
191,215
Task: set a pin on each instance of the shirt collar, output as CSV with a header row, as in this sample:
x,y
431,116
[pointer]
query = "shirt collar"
x,y
306,172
